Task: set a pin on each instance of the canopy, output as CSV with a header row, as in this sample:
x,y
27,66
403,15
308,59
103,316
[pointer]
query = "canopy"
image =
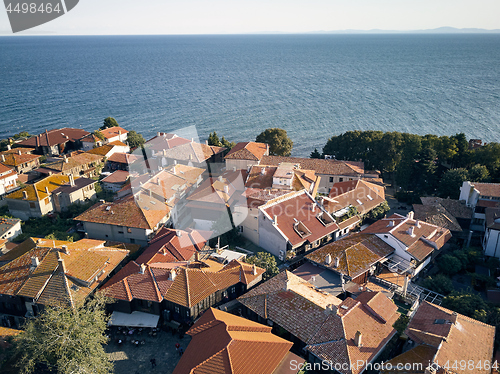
x,y
135,319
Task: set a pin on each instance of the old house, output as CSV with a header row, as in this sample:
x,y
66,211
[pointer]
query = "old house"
x,y
480,196
114,134
115,181
56,142
76,191
184,289
8,179
20,162
78,165
245,155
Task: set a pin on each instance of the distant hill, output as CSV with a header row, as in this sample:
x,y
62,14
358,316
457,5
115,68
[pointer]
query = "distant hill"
x,y
439,30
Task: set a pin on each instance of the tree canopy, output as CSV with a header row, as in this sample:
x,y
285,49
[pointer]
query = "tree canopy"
x,y
213,139
109,122
66,340
266,261
279,142
315,154
135,140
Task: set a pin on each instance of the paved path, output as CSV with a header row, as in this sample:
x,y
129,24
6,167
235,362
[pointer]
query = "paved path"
x,y
131,359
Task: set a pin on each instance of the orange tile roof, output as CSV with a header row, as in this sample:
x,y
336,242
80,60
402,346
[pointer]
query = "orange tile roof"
x,y
328,333
424,240
54,137
102,150
50,282
236,345
356,254
14,159
248,151
297,218
123,158
36,191
142,212
189,287
191,151
111,132
456,337
76,161
119,176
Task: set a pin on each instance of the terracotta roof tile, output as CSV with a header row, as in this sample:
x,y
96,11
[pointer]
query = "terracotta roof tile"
x,y
487,189
111,132
248,151
14,159
36,191
320,166
119,176
56,136
357,193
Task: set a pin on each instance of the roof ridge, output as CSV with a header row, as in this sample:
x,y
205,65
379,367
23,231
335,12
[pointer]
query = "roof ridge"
x,y
155,283
188,297
127,288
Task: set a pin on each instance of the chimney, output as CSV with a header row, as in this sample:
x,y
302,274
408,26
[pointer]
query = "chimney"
x,y
254,270
330,309
226,188
275,220
8,147
35,261
357,339
172,275
410,231
142,269
206,142
65,250
417,223
3,158
328,259
410,215
391,223
71,180
263,170
37,141
337,262
119,132
66,159
288,283
313,207
62,265
25,195
19,152
197,256
47,136
47,191
234,168
220,178
178,233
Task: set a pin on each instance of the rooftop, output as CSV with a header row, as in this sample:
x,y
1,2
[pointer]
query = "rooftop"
x,y
248,151
37,191
320,166
119,176
111,132
55,137
357,193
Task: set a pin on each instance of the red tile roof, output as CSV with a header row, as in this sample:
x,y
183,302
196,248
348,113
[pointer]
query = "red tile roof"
x,y
111,132
320,166
119,176
14,159
456,337
56,136
328,330
357,193
236,345
420,238
487,189
298,218
174,282
123,158
248,151
141,211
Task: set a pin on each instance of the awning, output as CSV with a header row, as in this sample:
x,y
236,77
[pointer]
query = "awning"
x,y
135,319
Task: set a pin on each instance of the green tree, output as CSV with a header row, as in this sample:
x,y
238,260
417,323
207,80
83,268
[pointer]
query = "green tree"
x,y
135,140
109,122
468,304
99,135
439,283
66,340
315,154
379,211
279,142
478,173
266,261
449,264
213,139
227,144
451,181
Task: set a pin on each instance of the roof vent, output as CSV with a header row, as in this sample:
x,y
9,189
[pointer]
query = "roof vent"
x,y
142,269
35,262
328,259
358,339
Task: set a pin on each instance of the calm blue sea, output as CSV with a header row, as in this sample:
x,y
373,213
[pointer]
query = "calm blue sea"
x,y
314,86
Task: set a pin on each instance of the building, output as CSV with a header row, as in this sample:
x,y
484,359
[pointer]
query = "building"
x,y
349,333
480,196
414,241
64,273
331,171
8,179
35,200
294,223
169,245
114,134
109,149
10,228
354,258
184,289
230,339
132,219
90,142
357,193
283,177
78,165
120,161
56,142
491,240
21,162
76,191
456,210
443,341
115,181
245,155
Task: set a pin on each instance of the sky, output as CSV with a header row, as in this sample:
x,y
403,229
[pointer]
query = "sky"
x,y
103,17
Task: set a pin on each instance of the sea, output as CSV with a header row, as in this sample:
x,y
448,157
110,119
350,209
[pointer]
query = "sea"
x,y
313,86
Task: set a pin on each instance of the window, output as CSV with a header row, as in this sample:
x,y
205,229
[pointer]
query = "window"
x,y
177,309
331,179
341,179
46,201
132,240
32,205
233,289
